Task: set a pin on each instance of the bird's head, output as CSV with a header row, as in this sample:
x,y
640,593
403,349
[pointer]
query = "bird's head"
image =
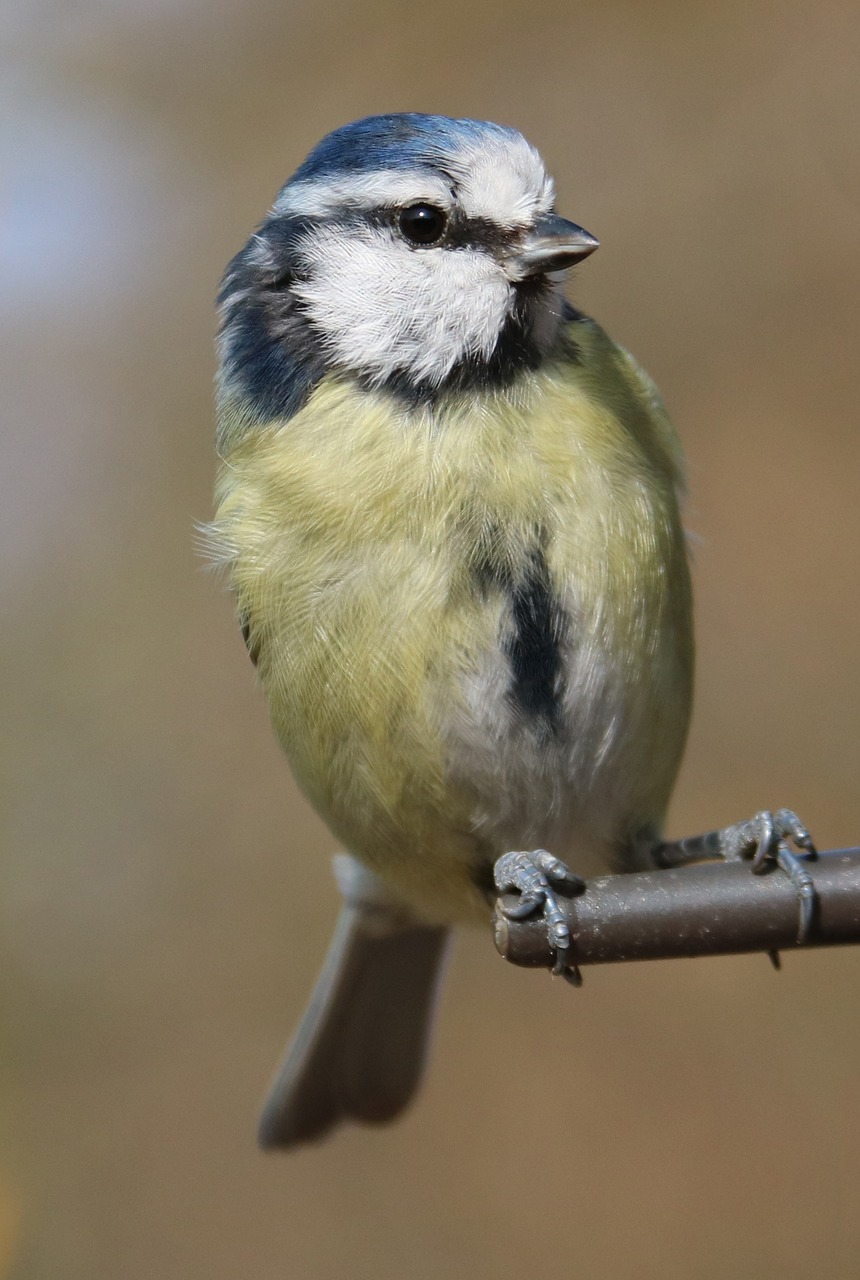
x,y
410,251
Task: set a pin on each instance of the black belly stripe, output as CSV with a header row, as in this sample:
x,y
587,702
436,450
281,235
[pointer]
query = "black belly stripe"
x,y
535,631
534,645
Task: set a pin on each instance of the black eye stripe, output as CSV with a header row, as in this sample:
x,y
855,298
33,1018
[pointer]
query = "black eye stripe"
x,y
483,233
460,232
285,235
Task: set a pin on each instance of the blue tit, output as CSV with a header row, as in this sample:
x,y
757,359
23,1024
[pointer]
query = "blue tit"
x,y
448,505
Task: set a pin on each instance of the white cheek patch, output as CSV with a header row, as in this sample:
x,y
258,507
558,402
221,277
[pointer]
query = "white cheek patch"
x,y
382,307
382,189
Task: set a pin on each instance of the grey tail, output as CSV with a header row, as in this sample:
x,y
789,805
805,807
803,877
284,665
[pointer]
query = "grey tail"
x,y
360,1048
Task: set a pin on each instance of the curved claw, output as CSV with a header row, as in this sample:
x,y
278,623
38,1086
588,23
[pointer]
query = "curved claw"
x,y
531,874
775,833
524,906
803,887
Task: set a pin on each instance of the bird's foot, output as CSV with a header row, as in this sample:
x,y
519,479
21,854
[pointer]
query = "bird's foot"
x,y
764,840
532,875
768,838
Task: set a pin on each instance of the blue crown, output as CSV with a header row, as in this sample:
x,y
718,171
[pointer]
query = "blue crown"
x,y
400,140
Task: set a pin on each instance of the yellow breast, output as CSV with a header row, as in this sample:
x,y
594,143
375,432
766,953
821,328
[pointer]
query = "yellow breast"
x,y
375,552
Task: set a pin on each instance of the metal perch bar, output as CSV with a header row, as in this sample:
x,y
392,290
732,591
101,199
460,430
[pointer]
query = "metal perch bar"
x,y
704,910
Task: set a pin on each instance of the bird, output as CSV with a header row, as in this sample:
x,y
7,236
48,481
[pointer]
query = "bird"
x,y
449,506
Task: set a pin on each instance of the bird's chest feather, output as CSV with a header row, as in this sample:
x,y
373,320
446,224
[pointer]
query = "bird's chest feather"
x,y
478,613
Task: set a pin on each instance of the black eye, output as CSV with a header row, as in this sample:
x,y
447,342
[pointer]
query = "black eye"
x,y
422,223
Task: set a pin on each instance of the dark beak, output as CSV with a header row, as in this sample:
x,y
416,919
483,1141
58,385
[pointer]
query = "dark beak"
x,y
553,244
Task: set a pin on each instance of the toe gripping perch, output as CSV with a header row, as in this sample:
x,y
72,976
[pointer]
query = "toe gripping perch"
x,y
765,841
535,875
541,880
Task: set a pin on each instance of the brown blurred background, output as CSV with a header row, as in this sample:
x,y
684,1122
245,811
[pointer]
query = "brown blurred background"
x,y
166,893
